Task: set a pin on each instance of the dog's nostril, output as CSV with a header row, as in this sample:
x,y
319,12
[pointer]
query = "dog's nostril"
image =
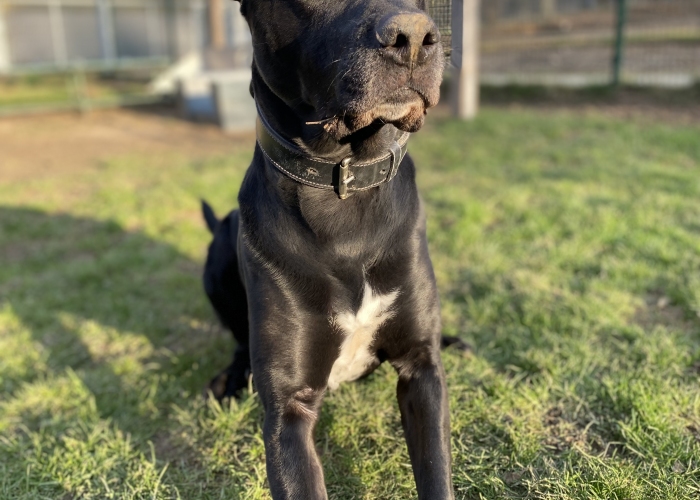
x,y
430,39
401,41
407,34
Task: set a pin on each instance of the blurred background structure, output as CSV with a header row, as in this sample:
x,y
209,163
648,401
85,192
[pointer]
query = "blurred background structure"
x,y
574,42
59,34
91,53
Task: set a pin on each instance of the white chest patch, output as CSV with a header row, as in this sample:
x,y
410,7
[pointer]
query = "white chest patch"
x,y
359,330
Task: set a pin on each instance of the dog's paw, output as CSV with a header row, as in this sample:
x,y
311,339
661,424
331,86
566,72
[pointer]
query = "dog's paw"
x,y
455,343
227,385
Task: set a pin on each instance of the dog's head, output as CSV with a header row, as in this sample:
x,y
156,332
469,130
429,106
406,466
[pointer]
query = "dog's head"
x,y
348,64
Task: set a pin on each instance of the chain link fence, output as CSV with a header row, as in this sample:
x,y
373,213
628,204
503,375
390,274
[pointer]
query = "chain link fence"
x,y
81,54
441,12
60,34
526,42
573,42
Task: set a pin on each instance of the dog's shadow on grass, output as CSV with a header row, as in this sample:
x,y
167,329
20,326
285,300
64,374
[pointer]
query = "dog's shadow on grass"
x,y
104,302
91,293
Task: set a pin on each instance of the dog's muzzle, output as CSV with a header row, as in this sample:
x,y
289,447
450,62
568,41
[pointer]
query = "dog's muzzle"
x,y
345,178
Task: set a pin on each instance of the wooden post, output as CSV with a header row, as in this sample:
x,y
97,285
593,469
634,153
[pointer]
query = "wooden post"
x,y
465,58
4,44
216,25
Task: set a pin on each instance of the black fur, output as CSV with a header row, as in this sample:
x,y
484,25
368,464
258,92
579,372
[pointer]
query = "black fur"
x,y
293,256
209,217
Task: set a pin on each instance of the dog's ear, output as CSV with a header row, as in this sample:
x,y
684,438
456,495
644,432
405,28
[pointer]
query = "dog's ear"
x,y
244,4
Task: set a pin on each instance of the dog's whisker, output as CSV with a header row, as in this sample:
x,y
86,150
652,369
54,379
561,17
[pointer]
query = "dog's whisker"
x,y
333,62
321,122
352,67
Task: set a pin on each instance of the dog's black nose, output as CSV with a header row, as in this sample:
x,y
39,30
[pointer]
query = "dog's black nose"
x,y
408,37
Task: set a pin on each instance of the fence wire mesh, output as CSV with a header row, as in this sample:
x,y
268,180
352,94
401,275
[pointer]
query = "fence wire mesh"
x,y
441,12
560,42
571,42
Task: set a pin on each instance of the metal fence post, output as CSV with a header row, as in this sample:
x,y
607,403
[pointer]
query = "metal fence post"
x,y
105,25
58,35
619,41
465,57
4,44
152,28
171,33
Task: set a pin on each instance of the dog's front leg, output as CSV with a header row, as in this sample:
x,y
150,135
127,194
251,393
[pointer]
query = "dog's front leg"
x,y
422,395
293,468
292,352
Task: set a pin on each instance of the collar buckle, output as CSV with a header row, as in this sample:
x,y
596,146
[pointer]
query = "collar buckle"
x,y
345,177
320,173
396,157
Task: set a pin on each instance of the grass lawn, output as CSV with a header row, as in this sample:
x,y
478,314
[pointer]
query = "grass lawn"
x,y
66,90
567,250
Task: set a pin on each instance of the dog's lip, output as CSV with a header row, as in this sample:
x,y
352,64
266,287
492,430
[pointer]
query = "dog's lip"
x,y
392,110
404,109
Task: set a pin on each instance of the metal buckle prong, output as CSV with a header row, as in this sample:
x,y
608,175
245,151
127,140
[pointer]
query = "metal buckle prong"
x,y
345,178
395,150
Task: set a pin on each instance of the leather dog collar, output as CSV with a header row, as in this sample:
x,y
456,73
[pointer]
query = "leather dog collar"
x,y
345,177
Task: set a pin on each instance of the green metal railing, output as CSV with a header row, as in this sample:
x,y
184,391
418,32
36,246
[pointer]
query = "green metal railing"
x,y
621,21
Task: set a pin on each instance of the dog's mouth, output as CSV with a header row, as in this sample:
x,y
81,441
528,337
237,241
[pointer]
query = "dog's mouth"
x,y
405,109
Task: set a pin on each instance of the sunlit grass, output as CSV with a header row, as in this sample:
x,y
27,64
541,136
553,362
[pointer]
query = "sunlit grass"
x,y
567,249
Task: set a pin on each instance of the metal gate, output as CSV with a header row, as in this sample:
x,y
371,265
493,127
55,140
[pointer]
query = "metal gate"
x,y
59,34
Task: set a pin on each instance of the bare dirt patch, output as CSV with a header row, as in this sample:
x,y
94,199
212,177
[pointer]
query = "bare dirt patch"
x,y
659,310
562,432
51,145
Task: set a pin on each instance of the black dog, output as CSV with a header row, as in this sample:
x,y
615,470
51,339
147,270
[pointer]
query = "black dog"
x,y
323,273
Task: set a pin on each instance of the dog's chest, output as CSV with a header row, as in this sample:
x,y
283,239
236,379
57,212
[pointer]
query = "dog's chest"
x,y
359,329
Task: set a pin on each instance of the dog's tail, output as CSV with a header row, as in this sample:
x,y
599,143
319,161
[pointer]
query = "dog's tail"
x,y
209,217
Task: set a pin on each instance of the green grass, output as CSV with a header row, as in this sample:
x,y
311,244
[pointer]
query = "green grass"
x,y
567,249
47,91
